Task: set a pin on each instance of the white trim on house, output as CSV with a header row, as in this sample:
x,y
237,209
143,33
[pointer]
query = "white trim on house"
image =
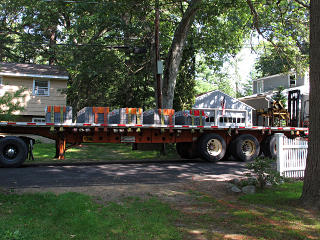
x,y
260,86
34,90
271,76
34,75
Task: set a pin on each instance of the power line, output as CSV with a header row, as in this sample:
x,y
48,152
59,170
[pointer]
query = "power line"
x,y
134,48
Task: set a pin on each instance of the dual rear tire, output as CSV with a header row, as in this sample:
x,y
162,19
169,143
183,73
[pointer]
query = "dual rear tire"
x,y
212,147
245,148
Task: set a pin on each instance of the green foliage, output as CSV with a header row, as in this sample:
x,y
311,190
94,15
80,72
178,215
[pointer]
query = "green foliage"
x,y
208,80
271,62
78,35
264,171
10,102
247,89
280,97
284,29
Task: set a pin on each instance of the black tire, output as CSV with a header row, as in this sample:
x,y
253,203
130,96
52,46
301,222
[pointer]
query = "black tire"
x,y
269,147
212,147
245,148
13,151
187,150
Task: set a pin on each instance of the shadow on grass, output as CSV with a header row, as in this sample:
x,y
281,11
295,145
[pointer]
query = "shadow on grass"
x,y
272,214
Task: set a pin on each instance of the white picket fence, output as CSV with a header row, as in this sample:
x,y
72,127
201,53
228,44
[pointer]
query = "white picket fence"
x,y
291,156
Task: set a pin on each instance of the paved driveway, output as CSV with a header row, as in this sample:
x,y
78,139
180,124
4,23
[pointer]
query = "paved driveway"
x,y
118,174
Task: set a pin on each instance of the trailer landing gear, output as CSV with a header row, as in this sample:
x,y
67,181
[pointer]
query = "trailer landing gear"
x,y
187,150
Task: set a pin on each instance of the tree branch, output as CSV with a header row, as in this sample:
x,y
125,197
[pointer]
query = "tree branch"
x,y
302,4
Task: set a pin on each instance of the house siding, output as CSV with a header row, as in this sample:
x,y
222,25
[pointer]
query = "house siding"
x,y
34,105
301,80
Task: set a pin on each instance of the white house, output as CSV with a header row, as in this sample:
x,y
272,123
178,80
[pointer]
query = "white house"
x,y
224,110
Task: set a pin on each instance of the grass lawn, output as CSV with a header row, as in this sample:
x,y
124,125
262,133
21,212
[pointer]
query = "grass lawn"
x,y
77,216
271,214
44,152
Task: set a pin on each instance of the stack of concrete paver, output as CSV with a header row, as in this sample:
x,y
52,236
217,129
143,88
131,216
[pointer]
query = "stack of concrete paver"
x,y
159,116
99,115
126,116
59,114
190,117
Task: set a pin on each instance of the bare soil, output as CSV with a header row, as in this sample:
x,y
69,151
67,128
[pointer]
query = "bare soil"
x,y
174,193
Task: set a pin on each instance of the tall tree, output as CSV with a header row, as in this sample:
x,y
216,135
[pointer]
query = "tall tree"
x,y
285,26
311,187
175,53
270,62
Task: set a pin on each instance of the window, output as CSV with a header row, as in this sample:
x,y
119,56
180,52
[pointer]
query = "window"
x,y
293,81
1,80
38,120
41,87
259,86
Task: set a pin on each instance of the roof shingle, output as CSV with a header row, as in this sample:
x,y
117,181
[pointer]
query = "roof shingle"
x,y
32,69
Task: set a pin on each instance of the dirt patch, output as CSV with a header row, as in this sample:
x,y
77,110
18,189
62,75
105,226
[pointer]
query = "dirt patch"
x,y
175,194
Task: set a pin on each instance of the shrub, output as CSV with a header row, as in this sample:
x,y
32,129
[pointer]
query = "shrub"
x,y
265,172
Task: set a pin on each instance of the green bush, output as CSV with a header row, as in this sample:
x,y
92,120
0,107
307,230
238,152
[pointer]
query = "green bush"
x,y
265,172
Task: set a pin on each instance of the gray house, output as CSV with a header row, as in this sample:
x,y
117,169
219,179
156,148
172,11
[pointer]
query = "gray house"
x,y
264,88
286,80
223,110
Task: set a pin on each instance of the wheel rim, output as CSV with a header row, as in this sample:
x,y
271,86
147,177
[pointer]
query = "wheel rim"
x,y
10,152
248,148
214,147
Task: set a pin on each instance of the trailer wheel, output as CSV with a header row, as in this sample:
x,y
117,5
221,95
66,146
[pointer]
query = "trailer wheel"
x,y
212,147
13,151
269,147
187,150
245,147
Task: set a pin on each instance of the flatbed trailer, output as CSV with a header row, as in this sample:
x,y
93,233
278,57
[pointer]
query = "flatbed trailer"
x,y
208,142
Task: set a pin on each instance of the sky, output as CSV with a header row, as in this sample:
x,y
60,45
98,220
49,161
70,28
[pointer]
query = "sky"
x,y
242,65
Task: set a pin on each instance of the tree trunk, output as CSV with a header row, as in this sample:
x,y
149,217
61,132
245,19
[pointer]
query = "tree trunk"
x,y
175,53
52,44
311,187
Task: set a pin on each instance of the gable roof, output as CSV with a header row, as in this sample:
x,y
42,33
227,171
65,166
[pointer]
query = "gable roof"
x,y
32,70
207,94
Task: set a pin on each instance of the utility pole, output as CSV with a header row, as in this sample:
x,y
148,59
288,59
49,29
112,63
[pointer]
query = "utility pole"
x,y
159,67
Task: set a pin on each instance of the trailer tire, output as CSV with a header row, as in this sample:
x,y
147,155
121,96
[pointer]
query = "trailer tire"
x,y
13,151
245,148
187,150
212,147
269,147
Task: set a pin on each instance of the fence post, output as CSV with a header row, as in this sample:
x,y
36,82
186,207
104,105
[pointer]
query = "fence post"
x,y
280,153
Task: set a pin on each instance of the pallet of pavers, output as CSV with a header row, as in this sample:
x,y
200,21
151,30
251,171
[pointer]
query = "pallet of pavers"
x,y
59,114
126,116
159,116
98,115
190,117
